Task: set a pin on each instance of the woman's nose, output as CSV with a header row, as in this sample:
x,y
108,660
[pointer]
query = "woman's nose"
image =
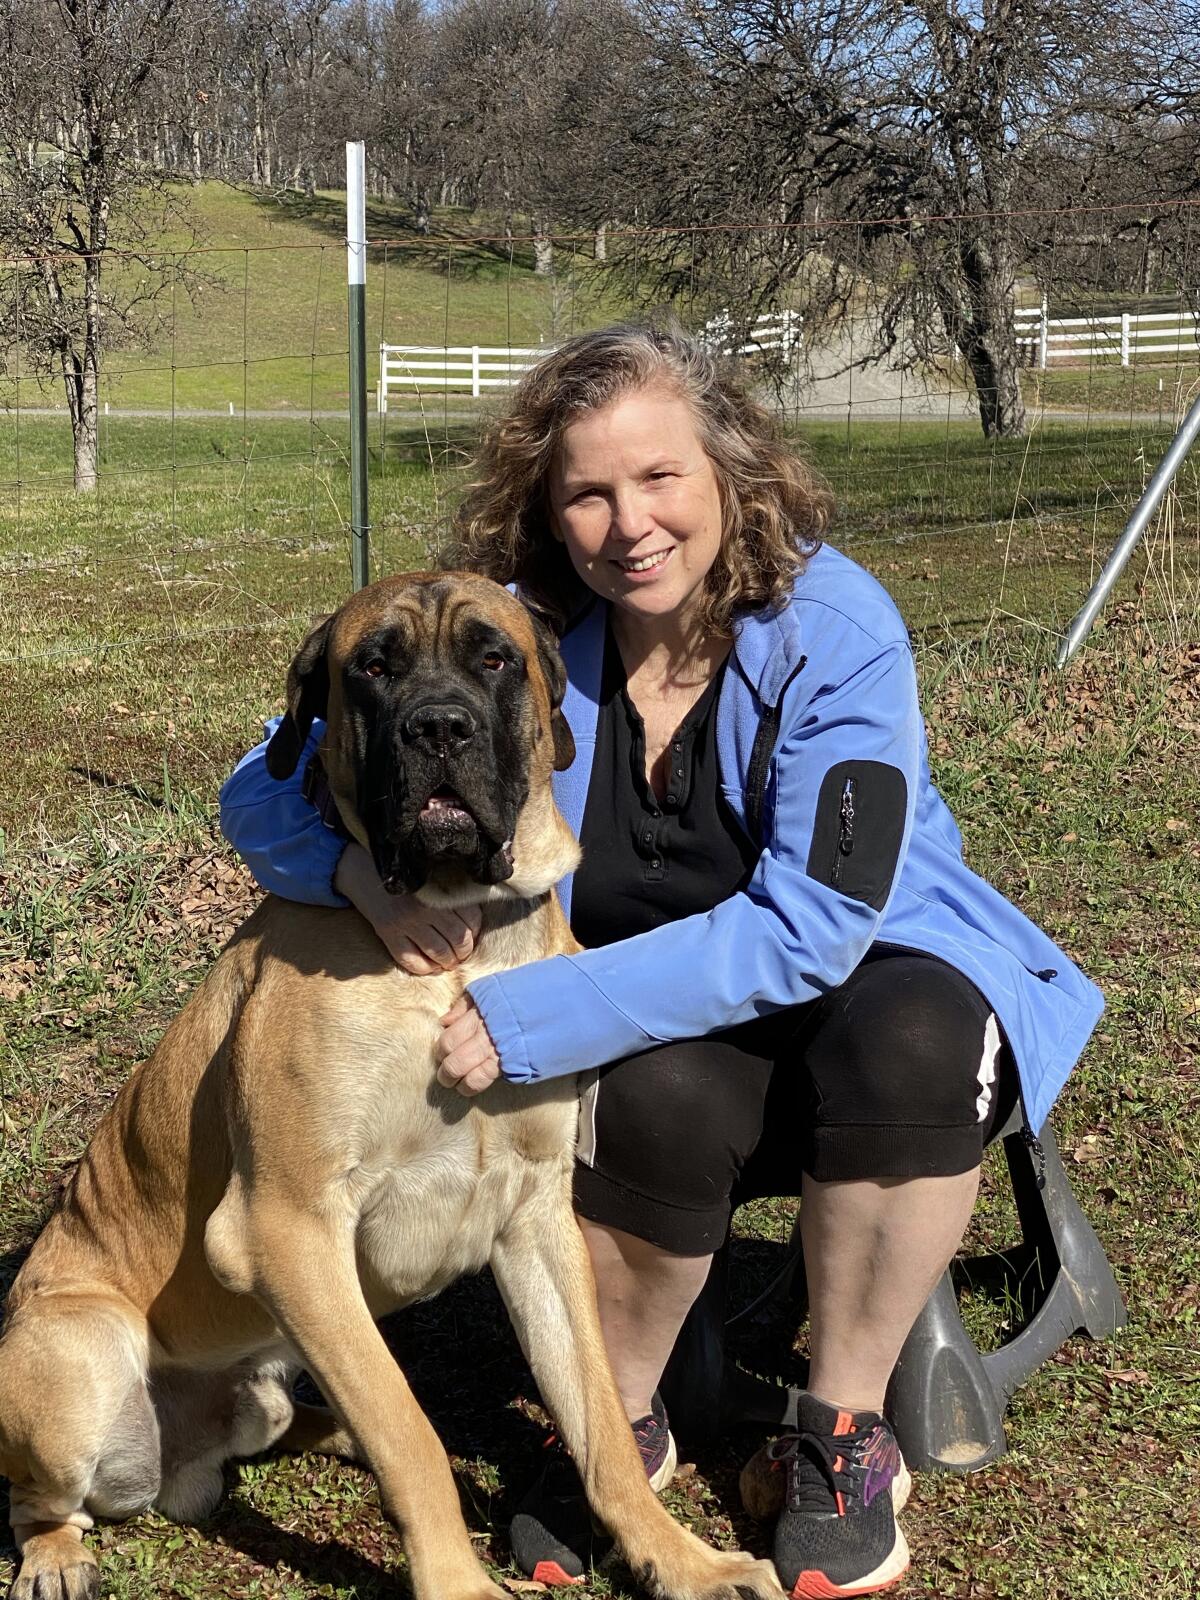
x,y
632,516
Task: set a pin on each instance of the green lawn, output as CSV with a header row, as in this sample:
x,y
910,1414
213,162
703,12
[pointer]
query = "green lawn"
x,y
143,633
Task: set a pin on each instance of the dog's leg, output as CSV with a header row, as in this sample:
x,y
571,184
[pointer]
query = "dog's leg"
x,y
303,1270
317,1429
78,1435
542,1268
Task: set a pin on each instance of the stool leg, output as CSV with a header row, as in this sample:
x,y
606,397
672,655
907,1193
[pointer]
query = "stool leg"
x,y
940,1402
1072,1288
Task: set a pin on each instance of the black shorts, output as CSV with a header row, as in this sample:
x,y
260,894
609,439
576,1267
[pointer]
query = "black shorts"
x,y
903,1071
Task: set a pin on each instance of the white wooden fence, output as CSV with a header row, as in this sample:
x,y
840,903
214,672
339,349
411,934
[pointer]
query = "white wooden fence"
x,y
469,369
774,330
1136,337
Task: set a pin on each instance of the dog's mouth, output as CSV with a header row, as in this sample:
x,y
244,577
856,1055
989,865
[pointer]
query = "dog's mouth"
x,y
446,809
448,834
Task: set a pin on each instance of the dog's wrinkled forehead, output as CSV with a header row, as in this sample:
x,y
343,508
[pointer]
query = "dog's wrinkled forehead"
x,y
429,615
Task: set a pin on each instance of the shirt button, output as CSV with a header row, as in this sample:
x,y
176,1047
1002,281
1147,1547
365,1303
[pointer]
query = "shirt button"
x,y
677,748
656,862
647,838
672,799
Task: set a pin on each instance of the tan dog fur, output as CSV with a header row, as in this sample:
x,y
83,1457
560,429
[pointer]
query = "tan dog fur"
x,y
284,1170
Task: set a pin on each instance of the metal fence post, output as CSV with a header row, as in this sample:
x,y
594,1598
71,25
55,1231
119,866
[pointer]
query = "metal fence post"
x,y
1134,528
1124,338
475,372
1044,335
356,278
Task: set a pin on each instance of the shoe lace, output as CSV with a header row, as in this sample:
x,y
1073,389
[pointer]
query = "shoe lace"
x,y
815,1481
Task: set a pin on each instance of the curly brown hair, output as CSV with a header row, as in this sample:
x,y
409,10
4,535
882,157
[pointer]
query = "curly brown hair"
x,y
775,506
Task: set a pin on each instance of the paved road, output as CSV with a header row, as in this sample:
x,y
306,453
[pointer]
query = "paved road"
x,y
916,402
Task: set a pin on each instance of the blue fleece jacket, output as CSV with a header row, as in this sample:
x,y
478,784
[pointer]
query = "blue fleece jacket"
x,y
839,657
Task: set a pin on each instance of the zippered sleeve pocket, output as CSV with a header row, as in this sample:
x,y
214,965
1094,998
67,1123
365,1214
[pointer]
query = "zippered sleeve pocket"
x,y
858,830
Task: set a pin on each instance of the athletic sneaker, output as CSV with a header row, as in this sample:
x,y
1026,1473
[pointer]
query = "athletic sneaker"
x,y
553,1536
846,1480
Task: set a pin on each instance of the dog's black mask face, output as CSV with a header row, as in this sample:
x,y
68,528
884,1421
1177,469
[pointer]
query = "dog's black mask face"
x,y
443,766
434,716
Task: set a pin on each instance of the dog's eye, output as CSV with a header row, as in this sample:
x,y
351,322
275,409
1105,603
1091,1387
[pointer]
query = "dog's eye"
x,y
375,669
493,661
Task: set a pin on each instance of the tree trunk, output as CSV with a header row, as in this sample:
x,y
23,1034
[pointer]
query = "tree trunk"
x,y
995,369
978,313
543,250
600,247
85,429
1149,262
85,415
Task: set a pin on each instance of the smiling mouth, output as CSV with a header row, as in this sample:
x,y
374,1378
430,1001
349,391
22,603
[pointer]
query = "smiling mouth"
x,y
645,563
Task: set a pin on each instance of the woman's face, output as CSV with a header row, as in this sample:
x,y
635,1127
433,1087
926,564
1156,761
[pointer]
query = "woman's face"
x,y
634,498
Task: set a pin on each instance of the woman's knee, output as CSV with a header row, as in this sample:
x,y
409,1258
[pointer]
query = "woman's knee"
x,y
662,1137
906,1039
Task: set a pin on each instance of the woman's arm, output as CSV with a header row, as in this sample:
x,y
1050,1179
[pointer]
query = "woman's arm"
x,y
800,927
277,831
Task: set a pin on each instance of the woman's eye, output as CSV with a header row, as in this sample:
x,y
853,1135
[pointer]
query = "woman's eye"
x,y
494,662
584,494
375,669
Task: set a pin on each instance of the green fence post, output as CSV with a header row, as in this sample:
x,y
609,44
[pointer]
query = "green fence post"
x,y
356,278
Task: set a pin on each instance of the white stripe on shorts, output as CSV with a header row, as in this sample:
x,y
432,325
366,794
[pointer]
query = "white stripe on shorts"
x,y
987,1067
585,1142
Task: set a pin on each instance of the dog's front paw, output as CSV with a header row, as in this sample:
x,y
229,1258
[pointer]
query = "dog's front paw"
x,y
762,1484
742,1577
714,1575
55,1566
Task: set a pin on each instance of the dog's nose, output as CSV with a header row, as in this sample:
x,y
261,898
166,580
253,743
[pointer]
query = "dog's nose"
x,y
441,724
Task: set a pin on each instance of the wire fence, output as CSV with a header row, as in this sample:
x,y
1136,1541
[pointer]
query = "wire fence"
x,y
220,524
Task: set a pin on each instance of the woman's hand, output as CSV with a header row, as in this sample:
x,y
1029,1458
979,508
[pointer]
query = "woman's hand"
x,y
466,1056
421,939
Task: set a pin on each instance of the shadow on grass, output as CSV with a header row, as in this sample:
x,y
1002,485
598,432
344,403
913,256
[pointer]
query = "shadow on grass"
x,y
328,1566
452,246
136,791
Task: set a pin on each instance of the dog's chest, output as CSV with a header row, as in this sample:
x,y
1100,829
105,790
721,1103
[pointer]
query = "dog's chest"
x,y
441,1190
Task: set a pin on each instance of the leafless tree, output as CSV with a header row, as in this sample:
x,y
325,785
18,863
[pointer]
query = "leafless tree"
x,y
923,122
74,74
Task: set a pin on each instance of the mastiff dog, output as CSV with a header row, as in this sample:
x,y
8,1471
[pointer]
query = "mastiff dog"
x,y
285,1169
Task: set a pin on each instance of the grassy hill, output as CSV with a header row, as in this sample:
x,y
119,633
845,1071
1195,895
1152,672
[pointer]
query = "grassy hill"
x,y
264,325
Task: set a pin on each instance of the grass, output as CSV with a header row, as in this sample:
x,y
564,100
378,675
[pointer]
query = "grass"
x,y
146,630
263,325
1145,388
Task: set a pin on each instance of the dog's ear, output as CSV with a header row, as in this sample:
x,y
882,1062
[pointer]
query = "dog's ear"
x,y
307,697
555,675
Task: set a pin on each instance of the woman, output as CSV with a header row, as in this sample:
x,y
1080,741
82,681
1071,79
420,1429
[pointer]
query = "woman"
x,y
790,978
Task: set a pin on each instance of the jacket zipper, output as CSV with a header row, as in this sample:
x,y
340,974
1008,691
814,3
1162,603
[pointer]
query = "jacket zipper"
x,y
845,839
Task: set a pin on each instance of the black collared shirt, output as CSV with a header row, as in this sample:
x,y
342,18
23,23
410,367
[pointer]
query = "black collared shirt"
x,y
646,863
